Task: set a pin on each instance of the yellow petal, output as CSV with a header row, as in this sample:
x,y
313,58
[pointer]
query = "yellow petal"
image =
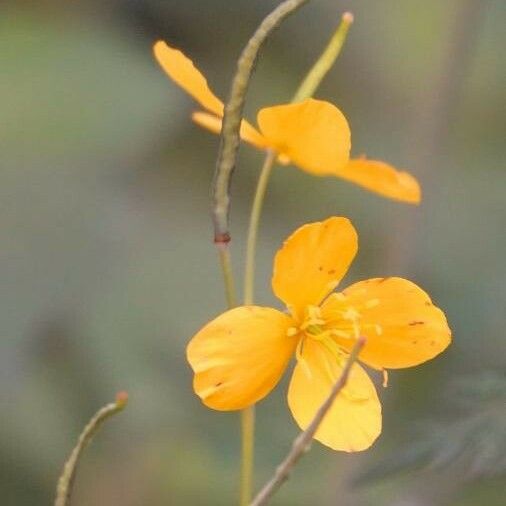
x,y
213,123
312,261
354,421
181,70
402,326
313,134
239,357
382,178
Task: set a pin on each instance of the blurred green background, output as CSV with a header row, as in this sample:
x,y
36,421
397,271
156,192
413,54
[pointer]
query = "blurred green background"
x,y
108,267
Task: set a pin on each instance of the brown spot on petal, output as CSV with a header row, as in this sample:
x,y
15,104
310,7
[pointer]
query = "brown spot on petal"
x,y
416,322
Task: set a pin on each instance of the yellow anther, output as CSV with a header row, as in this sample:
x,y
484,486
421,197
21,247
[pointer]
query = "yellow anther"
x,y
371,303
351,314
314,311
292,331
385,378
340,333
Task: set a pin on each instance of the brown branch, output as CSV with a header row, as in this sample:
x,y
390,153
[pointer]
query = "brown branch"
x,y
66,480
229,143
303,441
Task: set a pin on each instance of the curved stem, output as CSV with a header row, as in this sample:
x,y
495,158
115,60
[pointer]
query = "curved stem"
x,y
324,63
66,480
233,115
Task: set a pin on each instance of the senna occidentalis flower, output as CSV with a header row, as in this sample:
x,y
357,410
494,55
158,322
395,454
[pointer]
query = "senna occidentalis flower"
x,y
240,356
313,134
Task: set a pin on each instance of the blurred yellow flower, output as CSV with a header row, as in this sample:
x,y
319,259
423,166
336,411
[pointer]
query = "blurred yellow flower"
x,y
239,357
314,134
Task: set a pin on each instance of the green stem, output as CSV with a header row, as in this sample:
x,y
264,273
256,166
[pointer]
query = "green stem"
x,y
325,61
232,117
66,480
248,414
256,211
247,453
228,275
221,191
305,90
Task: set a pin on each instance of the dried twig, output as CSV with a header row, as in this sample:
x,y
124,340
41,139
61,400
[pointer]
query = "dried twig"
x,y
233,115
66,480
303,441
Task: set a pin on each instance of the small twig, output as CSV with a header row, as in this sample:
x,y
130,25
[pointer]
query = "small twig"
x,y
66,480
233,115
303,441
326,60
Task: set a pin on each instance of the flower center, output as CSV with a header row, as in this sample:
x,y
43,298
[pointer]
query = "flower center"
x,y
329,325
332,323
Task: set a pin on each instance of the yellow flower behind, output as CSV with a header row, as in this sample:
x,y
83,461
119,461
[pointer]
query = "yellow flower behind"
x,y
314,134
239,357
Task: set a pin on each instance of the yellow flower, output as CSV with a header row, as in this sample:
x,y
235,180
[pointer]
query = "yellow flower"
x,y
239,357
314,134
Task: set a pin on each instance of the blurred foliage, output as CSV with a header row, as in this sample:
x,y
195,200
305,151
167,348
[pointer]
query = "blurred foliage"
x,y
471,440
108,268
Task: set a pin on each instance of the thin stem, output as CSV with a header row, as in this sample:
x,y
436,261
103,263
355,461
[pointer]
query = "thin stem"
x,y
66,480
248,414
225,165
325,61
256,211
305,90
247,454
228,275
303,441
232,117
